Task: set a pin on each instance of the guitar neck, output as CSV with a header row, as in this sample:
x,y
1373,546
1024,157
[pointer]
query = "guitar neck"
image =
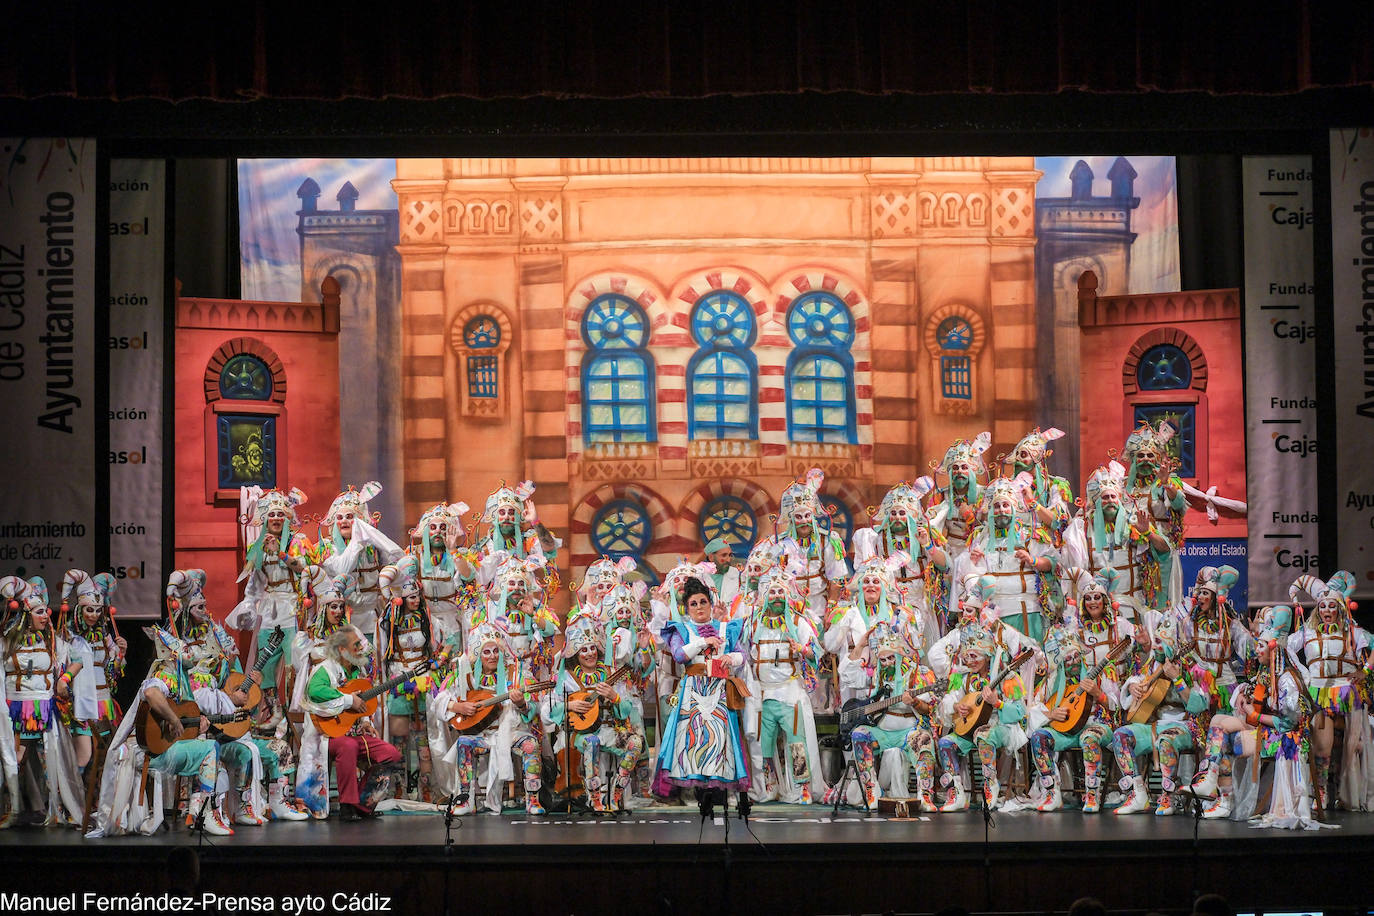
x,y
618,674
383,687
880,705
1101,666
492,701
269,652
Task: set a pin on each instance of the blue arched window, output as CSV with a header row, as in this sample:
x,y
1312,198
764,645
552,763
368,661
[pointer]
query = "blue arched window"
x,y
482,333
617,372
722,375
1164,368
820,371
955,337
732,520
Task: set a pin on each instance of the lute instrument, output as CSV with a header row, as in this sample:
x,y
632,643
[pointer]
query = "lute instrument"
x,y
858,711
1157,687
240,681
978,716
148,727
1077,702
487,703
338,726
586,721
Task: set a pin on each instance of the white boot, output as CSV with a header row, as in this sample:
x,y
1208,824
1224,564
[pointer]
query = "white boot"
x,y
202,809
281,809
1054,798
247,815
1219,808
1138,798
1205,784
957,799
991,787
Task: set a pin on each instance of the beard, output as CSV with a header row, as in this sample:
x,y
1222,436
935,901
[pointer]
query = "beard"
x,y
960,482
358,659
1001,521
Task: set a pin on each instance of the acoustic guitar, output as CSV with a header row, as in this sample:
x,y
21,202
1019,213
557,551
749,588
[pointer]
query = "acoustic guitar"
x,y
340,725
1157,687
1076,701
585,722
487,703
858,711
240,681
981,713
148,727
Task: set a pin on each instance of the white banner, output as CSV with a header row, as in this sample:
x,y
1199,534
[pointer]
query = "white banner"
x,y
1352,289
47,357
1280,374
137,282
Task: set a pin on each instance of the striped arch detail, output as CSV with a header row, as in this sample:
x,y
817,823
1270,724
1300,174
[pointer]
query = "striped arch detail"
x,y
852,496
689,515
731,279
849,291
581,554
650,298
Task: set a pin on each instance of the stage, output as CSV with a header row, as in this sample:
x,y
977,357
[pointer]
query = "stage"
x,y
787,859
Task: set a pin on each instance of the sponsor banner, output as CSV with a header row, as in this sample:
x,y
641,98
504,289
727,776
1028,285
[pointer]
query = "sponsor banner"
x,y
1352,289
1280,373
1200,552
137,270
47,357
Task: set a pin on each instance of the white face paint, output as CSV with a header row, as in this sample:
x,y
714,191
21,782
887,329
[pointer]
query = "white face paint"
x,y
276,521
1329,609
802,519
975,660
777,594
1003,508
344,520
438,528
40,617
588,657
602,588
90,613
872,588
334,611
197,608
505,517
491,654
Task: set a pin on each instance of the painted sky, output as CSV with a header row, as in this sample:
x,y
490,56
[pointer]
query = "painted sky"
x,y
270,250
1154,257
271,266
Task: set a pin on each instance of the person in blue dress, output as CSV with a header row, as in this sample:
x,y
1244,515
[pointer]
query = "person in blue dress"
x,y
702,744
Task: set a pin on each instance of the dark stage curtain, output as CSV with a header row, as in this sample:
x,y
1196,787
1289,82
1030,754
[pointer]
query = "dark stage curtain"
x,y
514,49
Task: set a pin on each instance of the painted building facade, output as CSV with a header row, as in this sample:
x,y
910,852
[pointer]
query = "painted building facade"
x,y
661,345
257,403
1174,356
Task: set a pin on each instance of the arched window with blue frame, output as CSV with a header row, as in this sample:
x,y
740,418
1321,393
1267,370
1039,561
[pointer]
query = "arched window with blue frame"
x,y
731,519
722,375
617,372
955,336
820,371
1164,368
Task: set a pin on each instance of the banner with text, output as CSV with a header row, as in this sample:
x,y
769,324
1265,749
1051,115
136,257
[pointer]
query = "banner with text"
x,y
1352,289
47,356
137,282
1280,374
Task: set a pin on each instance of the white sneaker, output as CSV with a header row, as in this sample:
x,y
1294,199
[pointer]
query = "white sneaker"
x,y
1205,784
1136,801
281,809
958,800
1219,808
200,809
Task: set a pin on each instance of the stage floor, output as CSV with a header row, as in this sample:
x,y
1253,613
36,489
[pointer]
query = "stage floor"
x,y
787,859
